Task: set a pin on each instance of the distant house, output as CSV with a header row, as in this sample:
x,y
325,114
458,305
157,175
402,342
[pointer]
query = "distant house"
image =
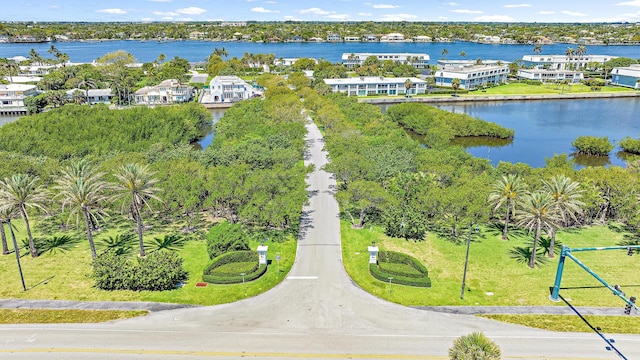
x,y
334,37
626,76
351,39
228,89
473,76
94,96
422,38
392,37
13,95
419,61
315,39
196,35
550,75
374,85
370,37
169,91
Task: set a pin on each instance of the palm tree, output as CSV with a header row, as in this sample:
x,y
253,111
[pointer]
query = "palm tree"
x,y
82,189
407,85
507,191
537,49
86,82
463,54
222,52
136,187
580,51
566,196
444,53
475,346
569,53
455,84
10,67
35,57
20,192
5,218
537,211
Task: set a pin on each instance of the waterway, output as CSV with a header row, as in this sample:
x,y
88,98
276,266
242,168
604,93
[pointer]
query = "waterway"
x,y
199,50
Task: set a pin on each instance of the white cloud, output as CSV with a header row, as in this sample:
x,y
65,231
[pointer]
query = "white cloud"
x,y
364,14
385,6
263,10
629,3
452,3
191,11
546,12
398,17
165,13
572,13
517,5
466,11
494,18
314,11
112,11
338,16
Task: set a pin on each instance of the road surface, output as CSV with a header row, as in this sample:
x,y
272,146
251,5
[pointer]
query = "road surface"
x,y
317,312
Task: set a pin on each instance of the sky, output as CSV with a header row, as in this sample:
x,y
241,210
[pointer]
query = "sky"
x,y
322,10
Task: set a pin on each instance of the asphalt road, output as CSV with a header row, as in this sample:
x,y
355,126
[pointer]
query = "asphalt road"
x,y
317,312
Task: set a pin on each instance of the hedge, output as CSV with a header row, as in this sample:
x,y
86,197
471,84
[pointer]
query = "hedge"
x,y
231,257
410,279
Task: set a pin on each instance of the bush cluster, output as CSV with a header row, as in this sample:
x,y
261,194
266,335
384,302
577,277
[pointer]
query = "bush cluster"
x,y
160,270
418,278
630,145
592,145
242,257
226,237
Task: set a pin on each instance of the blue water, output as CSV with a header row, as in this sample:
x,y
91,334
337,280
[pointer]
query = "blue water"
x,y
200,50
545,128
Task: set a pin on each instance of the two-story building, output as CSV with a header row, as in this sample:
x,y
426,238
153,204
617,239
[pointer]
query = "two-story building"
x,y
13,95
626,76
564,62
94,96
169,91
472,76
229,89
419,61
392,37
374,85
550,75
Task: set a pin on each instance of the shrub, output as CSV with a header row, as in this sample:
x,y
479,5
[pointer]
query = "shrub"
x,y
475,346
592,145
160,270
404,269
226,237
228,276
630,145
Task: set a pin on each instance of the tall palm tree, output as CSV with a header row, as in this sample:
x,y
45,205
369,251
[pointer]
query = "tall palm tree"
x,y
444,53
537,211
10,67
507,191
5,218
86,82
222,52
580,51
83,191
20,192
537,49
455,84
136,187
566,196
569,54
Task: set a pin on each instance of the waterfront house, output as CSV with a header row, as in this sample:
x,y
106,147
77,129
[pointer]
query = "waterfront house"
x,y
13,95
229,89
169,91
315,39
196,35
374,85
422,38
472,76
419,61
550,75
334,37
94,96
455,63
392,37
626,76
564,62
370,37
351,39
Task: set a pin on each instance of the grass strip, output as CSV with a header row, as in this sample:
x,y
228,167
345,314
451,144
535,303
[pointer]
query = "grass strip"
x,y
570,323
50,316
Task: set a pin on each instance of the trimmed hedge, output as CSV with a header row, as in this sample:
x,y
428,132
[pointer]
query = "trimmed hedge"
x,y
411,279
209,276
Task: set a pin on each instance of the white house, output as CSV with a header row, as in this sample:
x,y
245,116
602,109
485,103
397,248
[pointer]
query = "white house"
x,y
564,62
550,75
334,37
422,38
392,37
370,37
351,39
419,61
13,95
626,76
94,96
473,76
169,91
374,85
228,89
456,63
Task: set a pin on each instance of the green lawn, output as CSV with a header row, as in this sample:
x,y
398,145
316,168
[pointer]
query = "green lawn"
x,y
65,276
493,278
47,316
571,323
544,89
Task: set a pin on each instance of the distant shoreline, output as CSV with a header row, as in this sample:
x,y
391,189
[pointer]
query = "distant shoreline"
x,y
485,98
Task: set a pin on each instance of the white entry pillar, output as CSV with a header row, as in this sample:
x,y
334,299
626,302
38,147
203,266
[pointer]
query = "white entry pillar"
x,y
262,254
373,253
